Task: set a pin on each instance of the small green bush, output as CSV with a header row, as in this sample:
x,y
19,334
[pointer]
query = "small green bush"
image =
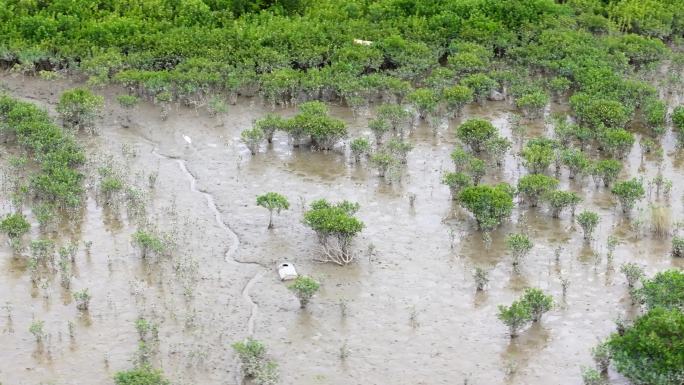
x,y
400,149
252,138
533,187
490,205
456,98
633,273
538,155
497,148
304,288
272,202
216,105
255,364
270,124
559,85
616,141
591,376
476,132
576,162
395,115
143,375
596,112
628,193
424,100
532,103
335,223
313,121
515,316
15,225
128,101
82,298
79,108
519,245
606,171
379,127
560,200
37,328
481,84
538,302
655,112
383,161
148,243
359,147
588,220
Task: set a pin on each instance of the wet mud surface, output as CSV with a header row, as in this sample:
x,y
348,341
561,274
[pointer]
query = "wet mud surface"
x,y
412,313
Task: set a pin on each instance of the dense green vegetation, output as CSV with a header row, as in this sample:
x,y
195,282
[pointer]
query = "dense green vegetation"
x,y
456,51
312,124
652,350
666,290
53,149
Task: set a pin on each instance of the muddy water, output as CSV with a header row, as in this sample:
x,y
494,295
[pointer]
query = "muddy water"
x,y
412,313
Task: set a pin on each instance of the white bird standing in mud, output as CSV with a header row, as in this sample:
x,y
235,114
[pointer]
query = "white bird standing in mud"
x,y
187,139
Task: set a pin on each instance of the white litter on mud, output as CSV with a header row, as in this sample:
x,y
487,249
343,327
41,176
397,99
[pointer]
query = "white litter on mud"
x,y
287,271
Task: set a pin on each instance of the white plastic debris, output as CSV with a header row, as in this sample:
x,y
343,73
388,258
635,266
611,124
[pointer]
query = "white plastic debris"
x,y
362,42
187,139
287,271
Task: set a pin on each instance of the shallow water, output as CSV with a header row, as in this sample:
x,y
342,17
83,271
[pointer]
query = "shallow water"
x,y
413,315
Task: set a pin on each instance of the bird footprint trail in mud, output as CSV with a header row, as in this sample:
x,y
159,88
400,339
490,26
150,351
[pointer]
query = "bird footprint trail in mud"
x,y
235,240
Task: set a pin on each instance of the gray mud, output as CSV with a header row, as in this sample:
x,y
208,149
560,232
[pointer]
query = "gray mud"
x,y
413,315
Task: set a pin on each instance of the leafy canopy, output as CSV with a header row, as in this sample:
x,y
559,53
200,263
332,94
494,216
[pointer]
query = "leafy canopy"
x,y
533,186
337,219
304,287
666,290
273,201
476,132
15,225
490,205
652,350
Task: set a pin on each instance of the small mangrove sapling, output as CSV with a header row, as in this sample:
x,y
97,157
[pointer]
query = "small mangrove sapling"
x,y
519,245
633,273
304,288
538,302
515,316
252,138
628,193
82,298
272,201
588,220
